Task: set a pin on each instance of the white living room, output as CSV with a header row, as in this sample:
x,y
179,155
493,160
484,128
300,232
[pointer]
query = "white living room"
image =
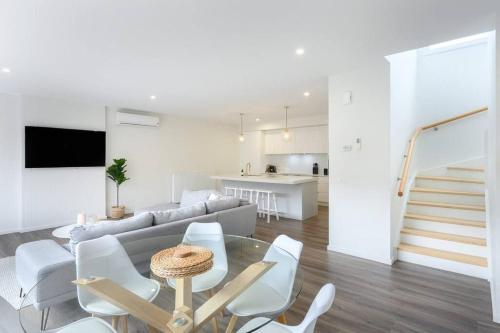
x,y
183,166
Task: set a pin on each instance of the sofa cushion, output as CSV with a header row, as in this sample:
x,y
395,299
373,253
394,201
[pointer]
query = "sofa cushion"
x,y
91,231
190,198
178,214
218,196
156,208
222,204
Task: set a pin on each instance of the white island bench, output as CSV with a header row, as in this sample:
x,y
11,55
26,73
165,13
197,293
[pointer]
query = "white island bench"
x,y
296,195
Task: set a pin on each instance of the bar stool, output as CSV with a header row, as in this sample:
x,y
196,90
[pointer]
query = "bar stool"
x,y
231,191
263,201
246,193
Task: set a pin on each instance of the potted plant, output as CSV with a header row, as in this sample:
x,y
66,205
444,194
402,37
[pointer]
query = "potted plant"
x,y
116,172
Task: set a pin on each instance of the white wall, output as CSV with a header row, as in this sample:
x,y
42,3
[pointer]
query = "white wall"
x,y
360,187
493,175
452,81
55,196
10,163
180,144
403,121
38,198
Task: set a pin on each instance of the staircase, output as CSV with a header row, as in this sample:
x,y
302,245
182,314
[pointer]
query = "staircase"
x,y
444,223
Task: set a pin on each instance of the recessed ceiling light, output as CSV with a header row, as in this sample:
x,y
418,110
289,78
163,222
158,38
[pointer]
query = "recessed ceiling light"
x,y
307,94
257,119
300,51
6,70
152,97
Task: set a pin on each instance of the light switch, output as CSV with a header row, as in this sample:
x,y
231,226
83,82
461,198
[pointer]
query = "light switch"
x,y
346,148
347,99
358,143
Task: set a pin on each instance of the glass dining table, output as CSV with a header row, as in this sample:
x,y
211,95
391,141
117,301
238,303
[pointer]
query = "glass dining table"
x,y
241,252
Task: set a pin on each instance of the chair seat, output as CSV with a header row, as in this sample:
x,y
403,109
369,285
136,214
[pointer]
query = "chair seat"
x,y
146,289
86,325
259,298
272,327
205,281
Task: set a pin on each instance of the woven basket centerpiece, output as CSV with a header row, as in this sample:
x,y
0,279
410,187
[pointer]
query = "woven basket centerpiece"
x,y
182,261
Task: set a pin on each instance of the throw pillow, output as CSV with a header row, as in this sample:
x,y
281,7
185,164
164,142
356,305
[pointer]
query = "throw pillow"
x,y
91,231
178,214
190,198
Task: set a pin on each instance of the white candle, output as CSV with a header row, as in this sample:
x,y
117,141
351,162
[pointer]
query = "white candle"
x,y
81,219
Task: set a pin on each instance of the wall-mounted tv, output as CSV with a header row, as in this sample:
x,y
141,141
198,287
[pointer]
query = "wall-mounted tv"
x,y
47,147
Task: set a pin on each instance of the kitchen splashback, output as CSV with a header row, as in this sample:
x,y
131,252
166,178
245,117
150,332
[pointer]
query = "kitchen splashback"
x,y
298,163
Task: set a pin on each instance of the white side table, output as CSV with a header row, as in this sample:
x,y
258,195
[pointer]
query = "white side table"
x,y
63,232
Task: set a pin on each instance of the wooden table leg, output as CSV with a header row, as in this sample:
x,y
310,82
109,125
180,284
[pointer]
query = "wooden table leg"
x,y
183,293
215,325
125,324
114,322
231,324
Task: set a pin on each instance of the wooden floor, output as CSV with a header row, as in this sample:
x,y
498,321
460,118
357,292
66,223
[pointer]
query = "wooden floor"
x,y
371,297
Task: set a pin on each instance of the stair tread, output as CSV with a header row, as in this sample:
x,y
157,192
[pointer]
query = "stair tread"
x,y
452,179
466,168
444,191
447,205
448,255
450,220
444,236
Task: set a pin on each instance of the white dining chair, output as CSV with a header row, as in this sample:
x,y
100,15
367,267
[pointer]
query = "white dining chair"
x,y
106,257
207,235
272,292
86,325
321,304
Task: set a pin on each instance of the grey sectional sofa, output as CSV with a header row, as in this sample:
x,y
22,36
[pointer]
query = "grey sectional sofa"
x,y
138,232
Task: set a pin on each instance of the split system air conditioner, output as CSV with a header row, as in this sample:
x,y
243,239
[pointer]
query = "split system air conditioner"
x,y
125,118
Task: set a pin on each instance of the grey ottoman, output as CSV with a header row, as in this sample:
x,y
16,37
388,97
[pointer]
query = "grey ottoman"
x,y
46,269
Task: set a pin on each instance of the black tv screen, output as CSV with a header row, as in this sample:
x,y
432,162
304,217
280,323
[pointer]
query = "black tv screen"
x,y
47,147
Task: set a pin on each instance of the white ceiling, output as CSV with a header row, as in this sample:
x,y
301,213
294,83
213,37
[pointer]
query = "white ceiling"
x,y
213,58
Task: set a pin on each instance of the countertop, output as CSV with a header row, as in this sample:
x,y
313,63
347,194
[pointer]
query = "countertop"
x,y
278,179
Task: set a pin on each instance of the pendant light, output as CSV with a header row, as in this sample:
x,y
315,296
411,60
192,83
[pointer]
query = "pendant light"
x,y
242,137
286,134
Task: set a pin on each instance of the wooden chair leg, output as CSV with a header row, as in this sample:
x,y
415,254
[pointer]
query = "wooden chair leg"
x,y
114,322
231,324
282,319
125,324
215,325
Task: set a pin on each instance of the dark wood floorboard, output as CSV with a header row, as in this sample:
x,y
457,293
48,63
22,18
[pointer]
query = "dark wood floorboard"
x,y
371,297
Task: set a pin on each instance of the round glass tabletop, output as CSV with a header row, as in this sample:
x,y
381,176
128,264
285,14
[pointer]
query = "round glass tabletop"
x,y
262,302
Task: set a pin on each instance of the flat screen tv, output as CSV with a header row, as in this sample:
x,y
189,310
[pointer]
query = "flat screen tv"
x,y
47,147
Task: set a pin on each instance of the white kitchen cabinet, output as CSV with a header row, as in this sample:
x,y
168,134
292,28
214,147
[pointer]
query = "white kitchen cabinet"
x,y
303,140
323,190
276,144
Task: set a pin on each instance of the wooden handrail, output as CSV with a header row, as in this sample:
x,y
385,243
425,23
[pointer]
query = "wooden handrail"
x,y
413,141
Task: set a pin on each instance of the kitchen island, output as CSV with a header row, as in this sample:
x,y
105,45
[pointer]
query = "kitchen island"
x,y
296,196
